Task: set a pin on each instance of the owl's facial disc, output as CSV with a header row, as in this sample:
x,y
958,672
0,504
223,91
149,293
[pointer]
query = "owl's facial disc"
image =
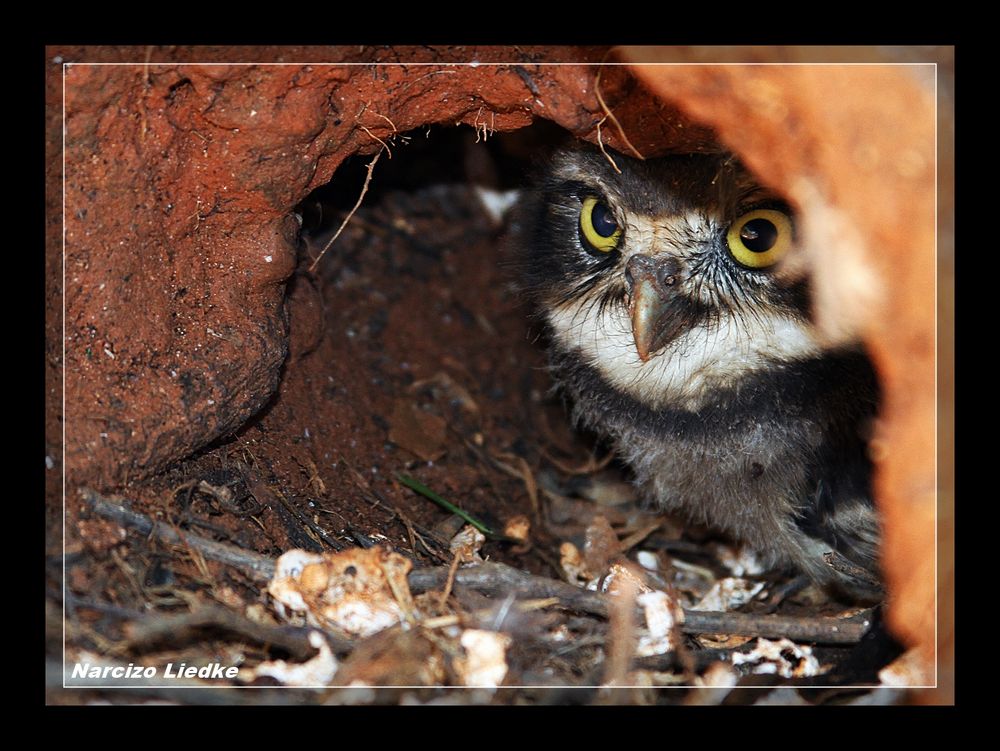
x,y
648,283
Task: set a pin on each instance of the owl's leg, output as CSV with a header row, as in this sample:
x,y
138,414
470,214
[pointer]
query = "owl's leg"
x,y
846,565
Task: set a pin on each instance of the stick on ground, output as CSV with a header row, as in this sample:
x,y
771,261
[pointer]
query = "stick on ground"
x,y
498,579
256,566
155,630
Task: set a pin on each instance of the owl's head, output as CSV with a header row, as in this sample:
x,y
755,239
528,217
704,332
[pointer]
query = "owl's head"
x,y
670,278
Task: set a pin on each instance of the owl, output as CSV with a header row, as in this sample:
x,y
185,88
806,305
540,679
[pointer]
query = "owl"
x,y
678,330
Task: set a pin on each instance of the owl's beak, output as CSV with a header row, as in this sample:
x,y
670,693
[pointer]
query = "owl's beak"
x,y
647,281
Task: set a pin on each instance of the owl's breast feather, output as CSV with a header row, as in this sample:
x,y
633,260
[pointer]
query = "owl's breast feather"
x,y
771,459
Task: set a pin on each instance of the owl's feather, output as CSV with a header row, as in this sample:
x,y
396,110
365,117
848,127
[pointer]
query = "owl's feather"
x,y
741,418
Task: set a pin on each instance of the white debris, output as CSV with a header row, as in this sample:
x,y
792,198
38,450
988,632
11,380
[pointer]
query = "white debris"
x,y
358,591
560,633
741,561
318,671
719,675
910,669
648,560
616,576
467,543
782,657
572,563
714,686
663,613
728,594
881,696
518,527
784,696
496,202
485,661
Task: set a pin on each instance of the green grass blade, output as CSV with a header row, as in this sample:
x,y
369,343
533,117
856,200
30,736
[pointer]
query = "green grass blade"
x,y
418,487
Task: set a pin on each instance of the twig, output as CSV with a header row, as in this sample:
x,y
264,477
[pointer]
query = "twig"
x,y
452,569
621,632
265,496
115,611
378,501
784,591
384,144
611,115
196,557
819,629
477,125
500,579
414,535
488,617
254,565
501,614
129,574
155,630
391,123
600,145
524,474
638,536
593,464
364,189
842,565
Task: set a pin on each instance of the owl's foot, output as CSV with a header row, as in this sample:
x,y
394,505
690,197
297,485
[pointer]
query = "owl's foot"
x,y
852,580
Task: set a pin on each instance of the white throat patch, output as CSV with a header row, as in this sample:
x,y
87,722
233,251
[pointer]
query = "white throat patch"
x,y
687,371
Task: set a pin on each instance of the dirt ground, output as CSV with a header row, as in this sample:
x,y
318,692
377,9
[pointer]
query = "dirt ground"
x,y
411,356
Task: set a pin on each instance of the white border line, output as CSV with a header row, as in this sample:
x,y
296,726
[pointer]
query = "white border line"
x,y
937,490
62,124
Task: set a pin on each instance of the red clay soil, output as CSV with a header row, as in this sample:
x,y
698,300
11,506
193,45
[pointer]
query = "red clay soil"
x,y
198,346
179,237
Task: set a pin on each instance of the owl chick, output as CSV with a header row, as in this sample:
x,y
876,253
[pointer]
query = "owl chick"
x,y
677,330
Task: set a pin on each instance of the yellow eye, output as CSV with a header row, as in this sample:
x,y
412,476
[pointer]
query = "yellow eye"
x,y
598,226
760,238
